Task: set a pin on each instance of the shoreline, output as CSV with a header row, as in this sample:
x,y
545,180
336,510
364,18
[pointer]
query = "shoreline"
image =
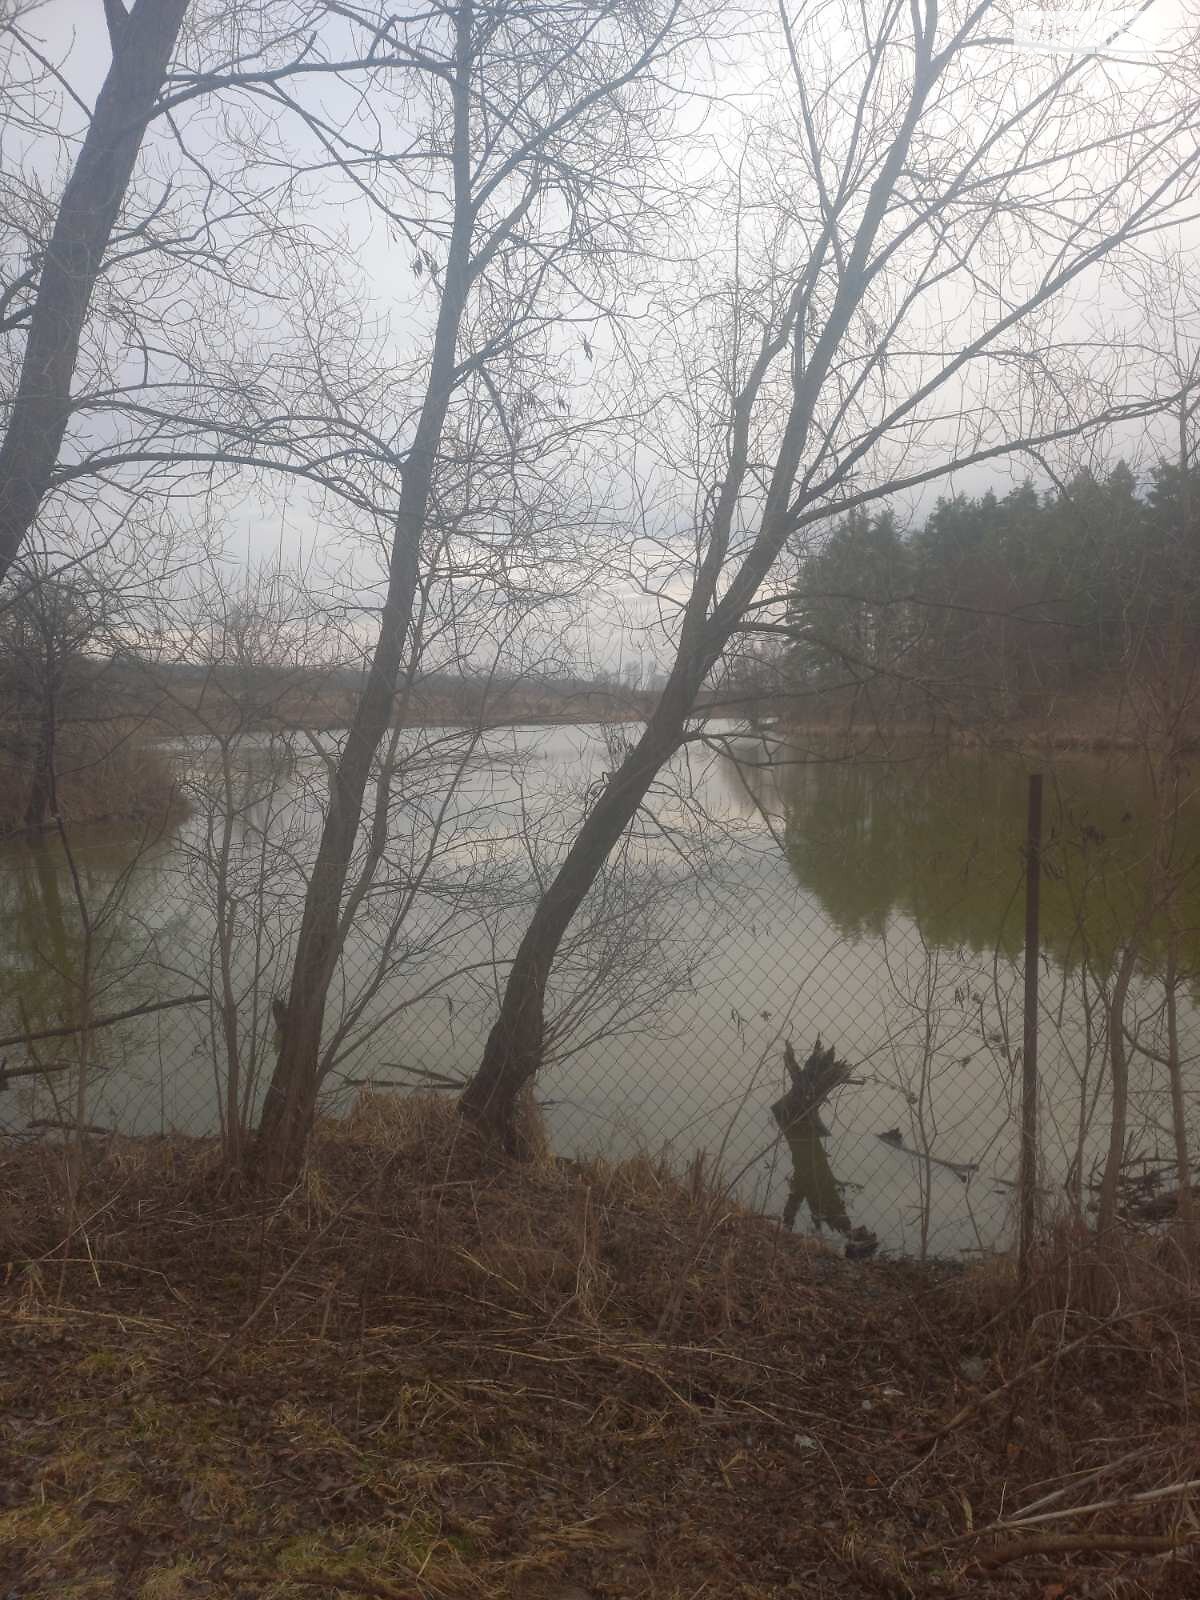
x,y
1027,742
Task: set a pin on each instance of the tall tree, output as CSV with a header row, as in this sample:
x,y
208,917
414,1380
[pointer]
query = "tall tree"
x,y
938,196
849,614
49,298
525,184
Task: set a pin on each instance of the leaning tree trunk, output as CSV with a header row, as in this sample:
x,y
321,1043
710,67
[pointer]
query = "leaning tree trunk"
x,y
143,44
290,1102
513,1052
289,1106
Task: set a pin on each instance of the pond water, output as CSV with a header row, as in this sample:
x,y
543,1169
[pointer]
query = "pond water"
x,y
780,895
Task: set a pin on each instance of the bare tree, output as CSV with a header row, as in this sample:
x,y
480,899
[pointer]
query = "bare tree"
x,y
48,299
938,198
157,332
521,191
1162,672
74,712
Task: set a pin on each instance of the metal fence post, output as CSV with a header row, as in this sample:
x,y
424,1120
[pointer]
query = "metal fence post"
x,y
1029,1061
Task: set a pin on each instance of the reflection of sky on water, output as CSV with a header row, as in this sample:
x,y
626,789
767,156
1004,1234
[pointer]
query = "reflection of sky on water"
x,y
821,939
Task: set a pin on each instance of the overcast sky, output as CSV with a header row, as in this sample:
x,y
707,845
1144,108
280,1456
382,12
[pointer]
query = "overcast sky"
x,y
72,32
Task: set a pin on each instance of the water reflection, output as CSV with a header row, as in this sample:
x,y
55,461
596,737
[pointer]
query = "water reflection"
x,y
79,937
40,944
812,1181
876,922
938,838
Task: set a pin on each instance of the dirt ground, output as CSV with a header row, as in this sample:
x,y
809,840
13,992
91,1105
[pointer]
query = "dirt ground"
x,y
424,1374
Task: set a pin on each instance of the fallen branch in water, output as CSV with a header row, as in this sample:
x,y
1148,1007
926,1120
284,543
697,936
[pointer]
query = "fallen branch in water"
x,y
811,1084
65,1125
66,1029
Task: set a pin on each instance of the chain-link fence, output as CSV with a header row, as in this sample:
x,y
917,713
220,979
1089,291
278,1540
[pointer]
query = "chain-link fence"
x,y
876,906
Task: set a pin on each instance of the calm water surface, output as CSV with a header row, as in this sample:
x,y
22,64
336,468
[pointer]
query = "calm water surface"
x,y
875,902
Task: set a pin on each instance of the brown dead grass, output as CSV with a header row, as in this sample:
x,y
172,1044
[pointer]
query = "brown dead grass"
x,y
427,1373
106,772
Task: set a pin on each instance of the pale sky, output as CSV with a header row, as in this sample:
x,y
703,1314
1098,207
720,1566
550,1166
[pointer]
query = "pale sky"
x,y
73,32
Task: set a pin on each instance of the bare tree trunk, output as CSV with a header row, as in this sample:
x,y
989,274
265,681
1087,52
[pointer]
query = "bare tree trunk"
x,y
291,1096
513,1052
290,1102
143,43
850,250
42,802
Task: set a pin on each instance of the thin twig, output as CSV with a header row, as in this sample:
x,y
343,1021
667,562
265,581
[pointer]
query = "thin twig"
x,y
1118,1502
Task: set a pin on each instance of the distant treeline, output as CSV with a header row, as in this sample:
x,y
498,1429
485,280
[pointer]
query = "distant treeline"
x,y
1012,606
316,696
88,692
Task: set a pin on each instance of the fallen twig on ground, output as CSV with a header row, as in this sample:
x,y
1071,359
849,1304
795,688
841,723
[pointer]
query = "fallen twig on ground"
x,y
1059,1544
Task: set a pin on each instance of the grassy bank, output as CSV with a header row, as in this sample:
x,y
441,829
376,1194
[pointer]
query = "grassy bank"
x,y
423,1374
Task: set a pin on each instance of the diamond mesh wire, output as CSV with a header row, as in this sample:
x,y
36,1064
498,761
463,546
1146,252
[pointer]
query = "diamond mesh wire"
x,y
703,952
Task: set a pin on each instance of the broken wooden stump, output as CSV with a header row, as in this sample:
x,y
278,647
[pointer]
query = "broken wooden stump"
x,y
811,1084
797,1113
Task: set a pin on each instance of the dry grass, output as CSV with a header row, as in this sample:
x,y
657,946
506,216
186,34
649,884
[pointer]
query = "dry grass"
x,y
103,773
1074,1274
425,1373
1108,716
